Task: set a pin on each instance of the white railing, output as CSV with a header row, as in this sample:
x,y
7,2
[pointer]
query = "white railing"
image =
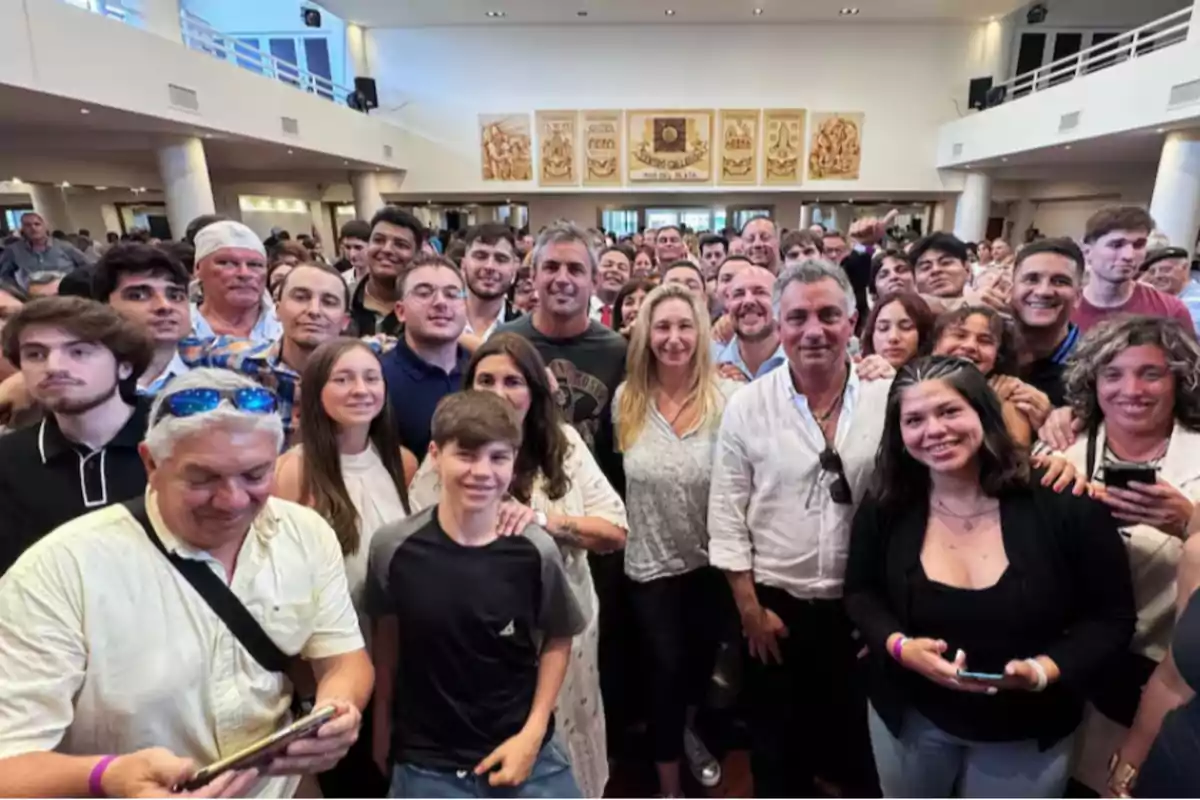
x,y
1154,36
199,35
113,9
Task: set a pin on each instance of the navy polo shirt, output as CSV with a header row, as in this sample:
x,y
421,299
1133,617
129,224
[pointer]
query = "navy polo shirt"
x,y
414,388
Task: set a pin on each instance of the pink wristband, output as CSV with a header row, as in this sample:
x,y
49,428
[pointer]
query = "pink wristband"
x,y
898,648
94,787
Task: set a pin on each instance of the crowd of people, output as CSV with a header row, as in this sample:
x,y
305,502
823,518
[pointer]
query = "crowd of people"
x,y
901,516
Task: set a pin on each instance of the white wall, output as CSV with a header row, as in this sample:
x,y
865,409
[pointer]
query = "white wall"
x,y
52,47
906,78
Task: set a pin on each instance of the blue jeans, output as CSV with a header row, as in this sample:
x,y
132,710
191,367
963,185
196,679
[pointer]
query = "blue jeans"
x,y
928,762
550,777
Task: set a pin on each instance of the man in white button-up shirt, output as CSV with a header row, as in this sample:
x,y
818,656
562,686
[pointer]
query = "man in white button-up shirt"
x,y
118,679
794,455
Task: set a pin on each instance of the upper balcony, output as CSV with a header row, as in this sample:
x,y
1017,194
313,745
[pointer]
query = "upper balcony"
x,y
1146,78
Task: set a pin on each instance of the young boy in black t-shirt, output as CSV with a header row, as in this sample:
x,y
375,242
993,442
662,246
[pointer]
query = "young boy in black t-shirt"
x,y
472,631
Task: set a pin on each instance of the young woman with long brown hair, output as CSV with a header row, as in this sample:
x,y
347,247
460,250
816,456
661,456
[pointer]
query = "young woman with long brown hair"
x,y
557,476
667,414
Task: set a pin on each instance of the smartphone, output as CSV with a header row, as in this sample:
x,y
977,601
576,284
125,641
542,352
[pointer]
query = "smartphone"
x,y
990,677
261,751
1120,473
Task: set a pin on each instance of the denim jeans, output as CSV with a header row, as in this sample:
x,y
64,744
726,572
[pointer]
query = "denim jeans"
x,y
550,777
928,762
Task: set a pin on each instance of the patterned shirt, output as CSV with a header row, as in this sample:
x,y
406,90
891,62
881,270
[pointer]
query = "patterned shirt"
x,y
261,361
267,328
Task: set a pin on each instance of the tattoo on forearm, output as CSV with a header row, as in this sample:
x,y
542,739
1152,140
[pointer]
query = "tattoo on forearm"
x,y
568,530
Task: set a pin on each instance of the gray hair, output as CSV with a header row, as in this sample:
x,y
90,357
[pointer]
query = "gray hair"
x,y
166,430
813,270
564,232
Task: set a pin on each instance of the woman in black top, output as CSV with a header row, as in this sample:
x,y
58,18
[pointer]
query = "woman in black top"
x,y
986,601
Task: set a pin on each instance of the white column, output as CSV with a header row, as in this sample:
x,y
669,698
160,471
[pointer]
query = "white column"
x,y
323,225
186,185
1022,221
938,223
356,52
162,17
806,216
1175,205
974,206
367,198
834,219
50,201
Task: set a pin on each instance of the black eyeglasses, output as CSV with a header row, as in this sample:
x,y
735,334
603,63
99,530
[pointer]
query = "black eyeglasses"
x,y
839,490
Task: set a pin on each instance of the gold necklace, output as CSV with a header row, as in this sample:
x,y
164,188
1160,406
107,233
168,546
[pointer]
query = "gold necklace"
x,y
967,520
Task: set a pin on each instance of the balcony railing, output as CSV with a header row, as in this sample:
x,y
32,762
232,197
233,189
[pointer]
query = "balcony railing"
x,y
198,35
1154,36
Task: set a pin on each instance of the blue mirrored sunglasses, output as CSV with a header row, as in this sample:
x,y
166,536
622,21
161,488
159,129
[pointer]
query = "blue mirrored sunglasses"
x,y
189,402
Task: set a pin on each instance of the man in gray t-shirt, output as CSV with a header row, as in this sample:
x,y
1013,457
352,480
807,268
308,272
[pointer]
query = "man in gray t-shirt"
x,y
36,252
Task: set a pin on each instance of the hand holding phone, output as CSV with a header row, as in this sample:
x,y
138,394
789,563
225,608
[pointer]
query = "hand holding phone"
x,y
1122,473
986,677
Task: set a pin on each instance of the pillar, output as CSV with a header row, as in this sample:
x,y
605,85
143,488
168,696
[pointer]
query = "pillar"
x,y
50,201
322,223
186,185
1175,205
974,206
356,52
938,223
806,216
367,197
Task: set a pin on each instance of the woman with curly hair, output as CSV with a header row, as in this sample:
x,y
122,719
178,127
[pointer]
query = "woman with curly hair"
x,y
1134,384
556,475
984,337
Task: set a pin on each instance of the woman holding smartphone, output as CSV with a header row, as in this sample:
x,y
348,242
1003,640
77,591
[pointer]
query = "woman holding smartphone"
x,y
986,602
1133,383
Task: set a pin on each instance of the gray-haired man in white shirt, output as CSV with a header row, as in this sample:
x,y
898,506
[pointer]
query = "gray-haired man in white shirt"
x,y
794,455
119,679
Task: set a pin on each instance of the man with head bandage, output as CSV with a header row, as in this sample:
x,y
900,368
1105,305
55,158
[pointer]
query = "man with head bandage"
x,y
231,264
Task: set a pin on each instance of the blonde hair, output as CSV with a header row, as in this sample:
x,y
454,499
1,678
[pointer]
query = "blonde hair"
x,y
637,395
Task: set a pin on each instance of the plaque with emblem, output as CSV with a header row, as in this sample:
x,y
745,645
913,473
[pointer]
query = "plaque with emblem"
x,y
602,137
557,148
739,147
670,146
783,145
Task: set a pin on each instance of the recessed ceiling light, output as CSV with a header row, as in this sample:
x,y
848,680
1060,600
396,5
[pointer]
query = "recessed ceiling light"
x,y
208,136
291,152
966,166
65,185
85,111
101,188
848,12
670,12
508,200
851,200
495,14
15,179
1160,130
347,163
1004,158
758,12
1066,147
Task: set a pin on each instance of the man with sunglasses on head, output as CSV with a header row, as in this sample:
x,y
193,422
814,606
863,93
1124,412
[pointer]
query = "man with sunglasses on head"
x,y
122,677
80,361
793,457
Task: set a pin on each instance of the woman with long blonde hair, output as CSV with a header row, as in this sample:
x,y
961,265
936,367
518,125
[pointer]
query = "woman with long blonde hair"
x,y
666,415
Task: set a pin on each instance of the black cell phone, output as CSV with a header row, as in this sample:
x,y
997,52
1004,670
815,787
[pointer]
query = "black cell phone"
x,y
1121,473
261,751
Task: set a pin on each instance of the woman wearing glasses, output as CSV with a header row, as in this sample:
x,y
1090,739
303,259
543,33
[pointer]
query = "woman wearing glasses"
x,y
557,476
666,415
987,603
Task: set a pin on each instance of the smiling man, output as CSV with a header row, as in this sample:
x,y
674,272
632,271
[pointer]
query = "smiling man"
x,y
754,349
941,269
616,267
231,264
1114,243
489,266
80,361
1047,279
396,237
761,238
427,363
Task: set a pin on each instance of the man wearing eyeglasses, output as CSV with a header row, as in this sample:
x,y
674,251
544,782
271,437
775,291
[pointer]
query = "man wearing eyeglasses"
x,y
427,362
794,455
80,361
122,677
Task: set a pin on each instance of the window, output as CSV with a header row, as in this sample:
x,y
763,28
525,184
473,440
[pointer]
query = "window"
x,y
316,59
744,215
248,56
285,67
620,221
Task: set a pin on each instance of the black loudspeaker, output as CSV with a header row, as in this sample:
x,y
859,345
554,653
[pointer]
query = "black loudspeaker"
x,y
365,87
977,96
996,95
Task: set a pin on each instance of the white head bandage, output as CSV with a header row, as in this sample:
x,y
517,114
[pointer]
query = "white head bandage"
x,y
226,234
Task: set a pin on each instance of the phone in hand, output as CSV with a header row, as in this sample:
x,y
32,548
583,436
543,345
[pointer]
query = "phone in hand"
x,y
1121,473
262,751
987,677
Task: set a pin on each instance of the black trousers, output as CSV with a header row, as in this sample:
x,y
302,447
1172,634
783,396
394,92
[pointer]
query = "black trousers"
x,y
808,715
680,622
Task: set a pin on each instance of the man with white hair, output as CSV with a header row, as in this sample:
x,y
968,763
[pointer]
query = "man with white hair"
x,y
231,265
793,458
120,678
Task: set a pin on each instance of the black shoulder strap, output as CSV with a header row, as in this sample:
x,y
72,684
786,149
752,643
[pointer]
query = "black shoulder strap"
x,y
219,598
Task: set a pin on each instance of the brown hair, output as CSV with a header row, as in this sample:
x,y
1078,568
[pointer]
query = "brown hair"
x,y
322,484
1117,218
916,308
287,248
544,445
474,419
88,321
328,270
428,260
801,238
1001,327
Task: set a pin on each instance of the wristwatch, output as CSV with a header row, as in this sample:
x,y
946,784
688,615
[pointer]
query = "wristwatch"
x,y
540,518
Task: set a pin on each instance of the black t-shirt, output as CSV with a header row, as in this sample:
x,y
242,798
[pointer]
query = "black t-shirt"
x,y
472,623
589,368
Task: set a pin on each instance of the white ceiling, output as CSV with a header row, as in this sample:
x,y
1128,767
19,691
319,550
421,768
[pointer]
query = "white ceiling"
x,y
1132,148
412,13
